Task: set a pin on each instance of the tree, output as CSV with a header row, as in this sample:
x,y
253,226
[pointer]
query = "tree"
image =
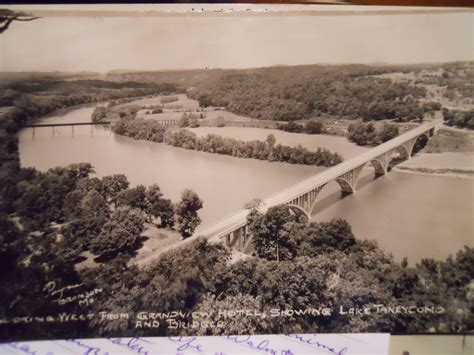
x,y
85,222
272,233
326,237
134,197
113,185
363,134
8,16
389,131
314,127
271,140
99,114
121,234
159,207
205,100
184,120
94,206
187,212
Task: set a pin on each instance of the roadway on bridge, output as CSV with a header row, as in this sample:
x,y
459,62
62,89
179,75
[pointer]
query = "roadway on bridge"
x,y
230,223
238,219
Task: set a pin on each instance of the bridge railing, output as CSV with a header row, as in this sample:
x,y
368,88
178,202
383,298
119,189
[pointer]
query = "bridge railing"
x,y
67,124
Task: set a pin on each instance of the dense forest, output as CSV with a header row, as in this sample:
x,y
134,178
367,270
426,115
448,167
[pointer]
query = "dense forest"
x,y
298,92
153,131
289,96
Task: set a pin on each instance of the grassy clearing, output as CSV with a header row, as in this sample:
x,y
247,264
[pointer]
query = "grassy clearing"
x,y
449,140
156,239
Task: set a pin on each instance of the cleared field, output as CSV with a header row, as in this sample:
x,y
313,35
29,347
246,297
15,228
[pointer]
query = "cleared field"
x,y
451,140
211,118
183,102
146,101
170,115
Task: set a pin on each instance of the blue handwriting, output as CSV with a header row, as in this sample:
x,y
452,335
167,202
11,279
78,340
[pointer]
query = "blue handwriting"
x,y
186,343
254,344
311,341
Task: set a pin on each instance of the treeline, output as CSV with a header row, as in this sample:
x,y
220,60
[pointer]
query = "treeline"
x,y
310,127
366,133
268,150
95,90
108,113
27,107
458,118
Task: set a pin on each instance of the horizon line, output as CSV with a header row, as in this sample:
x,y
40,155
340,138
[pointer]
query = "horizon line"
x,y
236,68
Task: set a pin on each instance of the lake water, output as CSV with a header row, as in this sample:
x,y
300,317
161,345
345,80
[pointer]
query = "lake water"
x,y
407,214
224,183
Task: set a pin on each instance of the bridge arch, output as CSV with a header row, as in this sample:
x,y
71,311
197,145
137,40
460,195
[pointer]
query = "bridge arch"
x,y
346,186
420,142
298,210
404,151
379,166
348,180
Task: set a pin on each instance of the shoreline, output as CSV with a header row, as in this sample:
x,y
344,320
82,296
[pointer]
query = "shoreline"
x,y
450,173
447,164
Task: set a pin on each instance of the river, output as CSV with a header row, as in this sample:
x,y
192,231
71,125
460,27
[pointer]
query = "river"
x,y
410,215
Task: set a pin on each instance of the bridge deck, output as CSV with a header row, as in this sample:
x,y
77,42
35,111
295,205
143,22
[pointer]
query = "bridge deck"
x,y
230,223
67,124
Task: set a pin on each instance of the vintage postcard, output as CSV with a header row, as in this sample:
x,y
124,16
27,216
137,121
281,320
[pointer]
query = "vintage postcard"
x,y
239,170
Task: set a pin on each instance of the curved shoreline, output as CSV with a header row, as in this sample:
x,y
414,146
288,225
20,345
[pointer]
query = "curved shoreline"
x,y
451,173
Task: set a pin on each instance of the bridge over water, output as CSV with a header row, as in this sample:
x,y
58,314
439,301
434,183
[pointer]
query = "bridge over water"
x,y
301,197
163,122
70,124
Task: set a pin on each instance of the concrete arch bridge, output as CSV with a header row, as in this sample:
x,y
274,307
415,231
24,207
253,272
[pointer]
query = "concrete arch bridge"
x,y
302,197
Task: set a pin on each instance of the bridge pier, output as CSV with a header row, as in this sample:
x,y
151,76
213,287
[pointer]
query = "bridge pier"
x,y
239,239
305,203
381,163
348,180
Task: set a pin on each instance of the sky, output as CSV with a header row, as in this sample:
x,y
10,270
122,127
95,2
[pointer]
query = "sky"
x,y
81,43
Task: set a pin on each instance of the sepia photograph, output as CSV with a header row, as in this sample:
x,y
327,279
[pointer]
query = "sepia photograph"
x,y
188,170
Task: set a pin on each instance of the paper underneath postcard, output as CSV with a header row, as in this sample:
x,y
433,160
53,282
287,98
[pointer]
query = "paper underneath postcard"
x,y
335,344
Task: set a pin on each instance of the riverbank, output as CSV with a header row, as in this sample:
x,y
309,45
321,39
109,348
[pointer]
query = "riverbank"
x,y
340,145
266,149
446,164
